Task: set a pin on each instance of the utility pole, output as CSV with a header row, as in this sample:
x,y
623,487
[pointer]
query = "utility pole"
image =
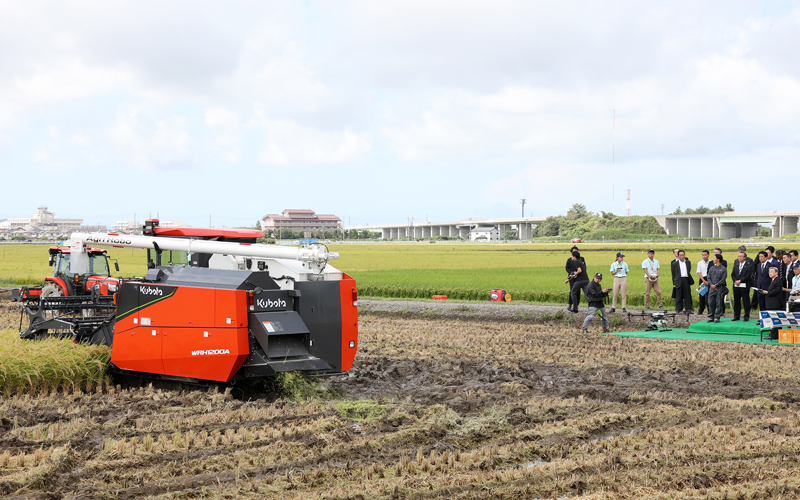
x,y
523,201
662,209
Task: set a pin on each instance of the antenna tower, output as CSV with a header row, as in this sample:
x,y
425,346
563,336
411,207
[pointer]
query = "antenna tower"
x,y
628,204
522,202
613,159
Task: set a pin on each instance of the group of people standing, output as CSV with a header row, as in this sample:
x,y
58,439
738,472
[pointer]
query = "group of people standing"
x,y
772,280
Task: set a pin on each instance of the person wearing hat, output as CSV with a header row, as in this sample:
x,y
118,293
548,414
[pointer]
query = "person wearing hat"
x,y
652,271
594,296
619,269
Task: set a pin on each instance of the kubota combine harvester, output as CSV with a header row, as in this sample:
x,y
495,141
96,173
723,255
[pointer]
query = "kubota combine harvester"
x,y
212,307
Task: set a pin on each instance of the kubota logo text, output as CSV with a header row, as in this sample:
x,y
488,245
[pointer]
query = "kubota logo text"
x,y
210,352
266,303
146,290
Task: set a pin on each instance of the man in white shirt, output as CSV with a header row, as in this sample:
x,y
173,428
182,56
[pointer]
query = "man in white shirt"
x,y
652,271
702,273
619,270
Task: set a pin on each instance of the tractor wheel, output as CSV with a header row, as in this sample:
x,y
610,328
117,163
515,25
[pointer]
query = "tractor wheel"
x,y
52,290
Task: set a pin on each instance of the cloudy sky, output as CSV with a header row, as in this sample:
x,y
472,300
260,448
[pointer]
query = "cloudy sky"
x,y
380,111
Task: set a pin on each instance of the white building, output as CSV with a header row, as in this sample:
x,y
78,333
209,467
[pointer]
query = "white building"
x,y
487,233
43,221
300,220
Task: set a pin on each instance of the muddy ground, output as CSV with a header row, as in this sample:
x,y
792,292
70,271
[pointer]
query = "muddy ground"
x,y
453,403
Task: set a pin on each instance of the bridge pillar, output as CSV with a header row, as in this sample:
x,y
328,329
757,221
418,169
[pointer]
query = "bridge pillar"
x,y
749,230
789,225
715,229
463,232
776,227
706,228
727,231
672,226
426,231
434,231
683,227
524,231
386,234
695,229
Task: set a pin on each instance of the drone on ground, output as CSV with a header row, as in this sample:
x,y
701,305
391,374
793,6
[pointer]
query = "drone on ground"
x,y
658,319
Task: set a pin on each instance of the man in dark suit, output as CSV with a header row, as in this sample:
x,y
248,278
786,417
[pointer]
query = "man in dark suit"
x,y
774,292
762,278
786,275
742,276
682,281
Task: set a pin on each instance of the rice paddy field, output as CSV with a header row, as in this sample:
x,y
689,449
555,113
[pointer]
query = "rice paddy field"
x,y
473,407
463,409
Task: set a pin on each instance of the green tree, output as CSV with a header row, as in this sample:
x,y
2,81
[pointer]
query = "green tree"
x,y
577,211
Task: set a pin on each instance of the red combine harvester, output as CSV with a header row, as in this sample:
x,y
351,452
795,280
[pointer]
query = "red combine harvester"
x,y
210,310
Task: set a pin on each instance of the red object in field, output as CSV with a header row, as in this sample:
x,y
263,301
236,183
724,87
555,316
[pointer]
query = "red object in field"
x,y
440,297
499,295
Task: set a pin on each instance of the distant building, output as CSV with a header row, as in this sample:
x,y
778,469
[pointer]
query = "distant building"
x,y
43,221
301,221
489,233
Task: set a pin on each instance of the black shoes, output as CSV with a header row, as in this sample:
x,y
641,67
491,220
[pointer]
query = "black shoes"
x,y
711,321
735,319
747,319
716,321
624,310
612,310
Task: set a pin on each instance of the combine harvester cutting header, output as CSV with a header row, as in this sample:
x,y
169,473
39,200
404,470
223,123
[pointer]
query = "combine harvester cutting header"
x,y
207,310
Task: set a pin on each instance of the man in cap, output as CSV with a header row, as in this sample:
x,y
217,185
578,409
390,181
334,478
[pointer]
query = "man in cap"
x,y
652,271
594,296
569,269
619,269
578,279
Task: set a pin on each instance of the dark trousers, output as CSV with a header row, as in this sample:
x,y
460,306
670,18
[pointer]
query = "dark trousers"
x,y
716,303
702,303
755,302
741,296
683,296
762,302
569,304
575,293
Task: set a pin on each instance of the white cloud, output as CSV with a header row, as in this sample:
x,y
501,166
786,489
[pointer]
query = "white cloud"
x,y
289,144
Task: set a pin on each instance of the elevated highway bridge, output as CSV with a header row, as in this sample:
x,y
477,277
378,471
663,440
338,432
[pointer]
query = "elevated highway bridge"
x,y
729,224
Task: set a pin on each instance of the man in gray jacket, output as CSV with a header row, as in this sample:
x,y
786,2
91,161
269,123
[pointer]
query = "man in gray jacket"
x,y
717,276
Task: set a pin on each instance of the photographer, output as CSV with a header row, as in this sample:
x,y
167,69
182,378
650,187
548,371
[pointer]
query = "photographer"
x,y
568,268
594,296
577,279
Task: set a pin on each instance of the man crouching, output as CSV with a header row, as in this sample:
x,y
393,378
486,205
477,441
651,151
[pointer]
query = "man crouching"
x,y
594,296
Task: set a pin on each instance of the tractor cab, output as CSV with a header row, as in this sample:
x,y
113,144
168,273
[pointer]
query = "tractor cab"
x,y
79,284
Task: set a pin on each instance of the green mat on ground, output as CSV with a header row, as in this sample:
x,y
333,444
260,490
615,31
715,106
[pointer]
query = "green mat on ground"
x,y
726,326
724,331
682,334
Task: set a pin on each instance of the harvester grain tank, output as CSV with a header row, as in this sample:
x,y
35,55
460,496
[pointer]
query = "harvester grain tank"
x,y
251,310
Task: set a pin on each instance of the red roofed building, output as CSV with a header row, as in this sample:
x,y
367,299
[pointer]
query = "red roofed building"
x,y
300,220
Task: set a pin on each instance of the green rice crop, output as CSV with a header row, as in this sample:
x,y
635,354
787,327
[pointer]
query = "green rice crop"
x,y
531,272
49,365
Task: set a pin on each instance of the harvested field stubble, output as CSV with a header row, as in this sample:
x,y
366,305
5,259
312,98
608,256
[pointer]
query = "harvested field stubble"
x,y
437,409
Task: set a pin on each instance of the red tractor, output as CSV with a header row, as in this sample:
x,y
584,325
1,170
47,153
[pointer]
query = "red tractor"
x,y
64,283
